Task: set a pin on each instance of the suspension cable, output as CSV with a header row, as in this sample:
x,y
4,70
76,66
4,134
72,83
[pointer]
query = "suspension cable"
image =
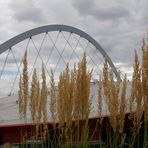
x,y
88,54
52,48
56,47
60,54
5,63
73,50
71,47
18,70
38,53
62,51
54,44
15,61
92,57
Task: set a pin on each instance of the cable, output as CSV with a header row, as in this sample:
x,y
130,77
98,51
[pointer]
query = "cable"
x,y
4,63
62,51
74,49
52,48
38,53
18,69
88,54
56,47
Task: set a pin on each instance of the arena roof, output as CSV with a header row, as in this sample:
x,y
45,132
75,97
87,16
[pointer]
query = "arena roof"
x,y
9,107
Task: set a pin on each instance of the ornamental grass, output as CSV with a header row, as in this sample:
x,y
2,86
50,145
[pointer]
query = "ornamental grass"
x,y
70,105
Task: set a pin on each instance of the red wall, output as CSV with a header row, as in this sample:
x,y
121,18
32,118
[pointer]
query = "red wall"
x,y
15,133
11,134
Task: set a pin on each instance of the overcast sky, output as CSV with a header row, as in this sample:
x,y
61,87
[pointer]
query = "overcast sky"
x,y
117,25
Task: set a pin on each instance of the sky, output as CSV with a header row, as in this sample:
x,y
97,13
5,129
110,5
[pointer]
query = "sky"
x,y
117,25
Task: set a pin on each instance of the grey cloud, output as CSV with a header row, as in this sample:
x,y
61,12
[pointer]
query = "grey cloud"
x,y
117,25
84,6
34,15
112,13
24,11
89,8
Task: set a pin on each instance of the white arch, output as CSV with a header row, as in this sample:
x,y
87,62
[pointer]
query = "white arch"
x,y
28,34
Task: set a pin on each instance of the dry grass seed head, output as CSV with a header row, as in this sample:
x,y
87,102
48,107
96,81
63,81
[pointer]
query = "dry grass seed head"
x,y
100,100
145,78
44,93
52,97
122,106
134,83
25,84
20,99
33,95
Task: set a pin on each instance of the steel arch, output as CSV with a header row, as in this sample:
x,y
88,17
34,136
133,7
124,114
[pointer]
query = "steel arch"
x,y
28,34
